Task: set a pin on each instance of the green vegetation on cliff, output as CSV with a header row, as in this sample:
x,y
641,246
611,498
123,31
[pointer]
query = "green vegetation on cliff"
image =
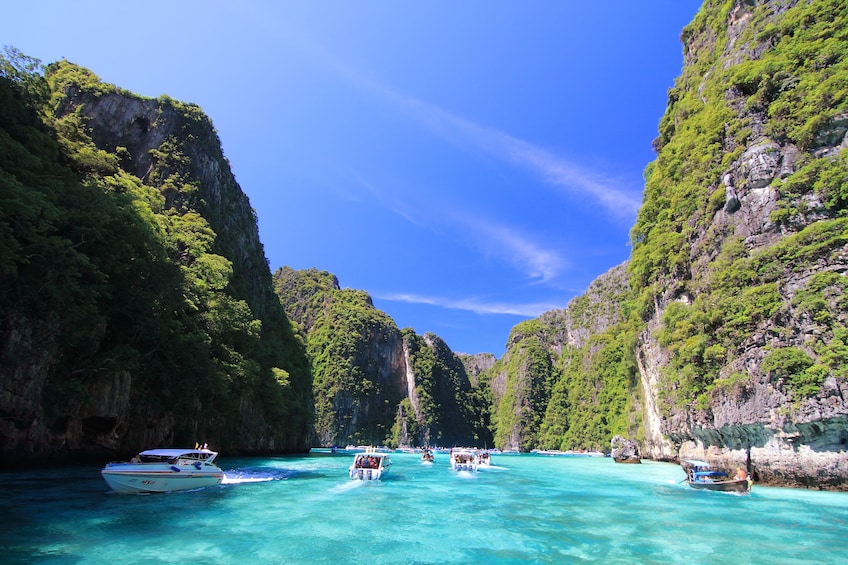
x,y
375,384
594,400
351,347
569,378
105,274
451,411
788,87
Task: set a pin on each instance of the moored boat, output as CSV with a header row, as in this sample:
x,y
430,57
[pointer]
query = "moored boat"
x,y
164,470
370,465
567,453
700,475
463,459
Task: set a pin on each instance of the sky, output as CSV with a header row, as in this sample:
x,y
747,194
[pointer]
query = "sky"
x,y
469,164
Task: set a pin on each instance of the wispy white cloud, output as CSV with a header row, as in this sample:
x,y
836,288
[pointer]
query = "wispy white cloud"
x,y
534,260
557,171
618,198
528,256
530,310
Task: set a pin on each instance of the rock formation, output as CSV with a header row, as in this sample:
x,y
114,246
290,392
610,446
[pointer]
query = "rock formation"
x,y
147,332
374,383
784,421
735,322
623,450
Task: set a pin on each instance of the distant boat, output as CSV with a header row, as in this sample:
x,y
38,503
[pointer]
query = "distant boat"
x,y
164,470
370,465
463,459
427,456
700,475
567,453
484,459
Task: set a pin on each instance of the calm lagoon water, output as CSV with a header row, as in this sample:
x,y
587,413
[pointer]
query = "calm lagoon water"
x,y
525,509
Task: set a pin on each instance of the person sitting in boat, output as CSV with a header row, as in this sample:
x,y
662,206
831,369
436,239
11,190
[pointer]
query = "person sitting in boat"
x,y
741,474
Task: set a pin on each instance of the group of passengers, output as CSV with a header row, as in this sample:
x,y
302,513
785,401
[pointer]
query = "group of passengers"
x,y
368,462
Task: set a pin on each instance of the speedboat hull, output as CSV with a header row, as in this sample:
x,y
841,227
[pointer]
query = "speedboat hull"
x,y
164,470
131,479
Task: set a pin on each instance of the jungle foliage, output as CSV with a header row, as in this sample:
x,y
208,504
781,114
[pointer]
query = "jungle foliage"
x,y
108,273
716,292
797,87
563,393
359,375
452,411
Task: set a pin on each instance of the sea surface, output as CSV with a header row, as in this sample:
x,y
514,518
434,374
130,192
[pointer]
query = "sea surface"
x,y
524,509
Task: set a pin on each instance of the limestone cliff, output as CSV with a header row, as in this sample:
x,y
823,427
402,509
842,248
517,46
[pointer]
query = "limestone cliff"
x,y
137,304
376,384
745,347
558,386
730,342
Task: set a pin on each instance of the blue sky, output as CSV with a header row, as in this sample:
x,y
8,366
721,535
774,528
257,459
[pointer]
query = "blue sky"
x,y
469,164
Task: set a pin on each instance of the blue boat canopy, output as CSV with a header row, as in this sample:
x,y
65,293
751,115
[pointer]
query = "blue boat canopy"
x,y
710,474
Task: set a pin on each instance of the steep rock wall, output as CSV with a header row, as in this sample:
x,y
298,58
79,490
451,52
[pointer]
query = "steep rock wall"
x,y
105,389
374,383
767,203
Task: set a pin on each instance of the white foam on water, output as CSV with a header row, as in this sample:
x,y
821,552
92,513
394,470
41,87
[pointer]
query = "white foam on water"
x,y
348,485
241,480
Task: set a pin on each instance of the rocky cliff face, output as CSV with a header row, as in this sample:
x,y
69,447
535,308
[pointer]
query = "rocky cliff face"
x,y
775,401
157,341
731,312
375,384
544,389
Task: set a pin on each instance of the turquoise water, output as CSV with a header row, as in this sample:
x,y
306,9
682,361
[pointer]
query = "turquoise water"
x,y
526,509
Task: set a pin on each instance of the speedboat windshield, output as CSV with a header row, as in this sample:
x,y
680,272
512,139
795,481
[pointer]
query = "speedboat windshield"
x,y
173,455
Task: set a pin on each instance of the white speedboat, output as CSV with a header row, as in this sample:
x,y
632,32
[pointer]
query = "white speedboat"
x,y
464,459
370,466
484,459
164,470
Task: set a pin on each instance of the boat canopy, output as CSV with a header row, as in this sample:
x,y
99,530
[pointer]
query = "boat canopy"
x,y
171,454
697,463
710,474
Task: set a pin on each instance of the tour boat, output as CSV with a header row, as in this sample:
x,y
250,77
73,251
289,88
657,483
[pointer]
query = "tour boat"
x,y
484,459
464,459
370,465
699,475
567,453
164,470
427,456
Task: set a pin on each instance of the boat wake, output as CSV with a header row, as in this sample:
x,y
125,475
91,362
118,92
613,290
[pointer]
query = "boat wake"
x,y
238,481
346,486
243,476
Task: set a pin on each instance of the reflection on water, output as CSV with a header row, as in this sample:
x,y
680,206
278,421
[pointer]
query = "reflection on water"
x,y
522,509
